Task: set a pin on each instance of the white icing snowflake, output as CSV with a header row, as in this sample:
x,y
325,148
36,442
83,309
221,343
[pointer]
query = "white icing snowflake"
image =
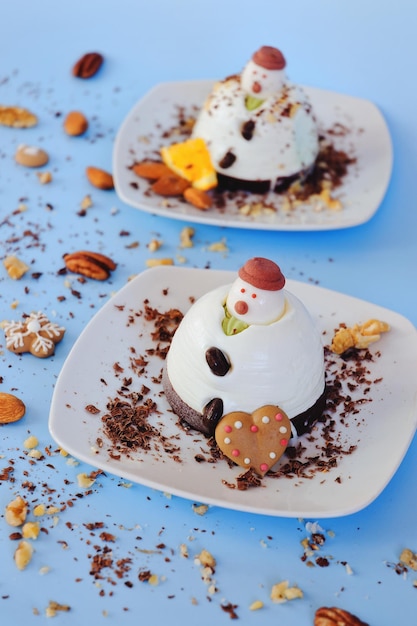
x,y
31,327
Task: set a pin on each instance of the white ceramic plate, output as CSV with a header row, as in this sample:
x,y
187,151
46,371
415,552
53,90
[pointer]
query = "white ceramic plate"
x,y
361,193
382,431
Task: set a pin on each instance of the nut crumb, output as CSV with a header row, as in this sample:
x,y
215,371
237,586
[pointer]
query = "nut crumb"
x,y
16,512
409,558
23,555
206,559
30,442
255,606
53,608
219,246
15,267
156,262
282,592
200,509
186,237
84,480
39,510
44,177
86,202
154,245
153,580
30,530
184,551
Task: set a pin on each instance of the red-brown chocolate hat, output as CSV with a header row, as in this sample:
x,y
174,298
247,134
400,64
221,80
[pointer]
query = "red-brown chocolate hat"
x,y
263,274
270,58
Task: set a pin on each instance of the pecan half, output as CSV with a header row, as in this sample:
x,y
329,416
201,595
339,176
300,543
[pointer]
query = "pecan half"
x,y
88,65
91,264
333,616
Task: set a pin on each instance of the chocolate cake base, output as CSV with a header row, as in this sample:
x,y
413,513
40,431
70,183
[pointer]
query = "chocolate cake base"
x,y
204,423
280,185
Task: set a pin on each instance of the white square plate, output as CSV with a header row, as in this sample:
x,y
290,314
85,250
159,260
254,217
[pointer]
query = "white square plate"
x,y
382,430
364,135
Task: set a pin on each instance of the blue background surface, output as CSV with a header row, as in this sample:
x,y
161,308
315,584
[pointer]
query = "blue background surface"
x,y
364,49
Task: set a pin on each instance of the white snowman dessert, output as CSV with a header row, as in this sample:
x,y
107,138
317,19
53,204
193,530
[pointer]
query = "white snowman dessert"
x,y
244,348
258,127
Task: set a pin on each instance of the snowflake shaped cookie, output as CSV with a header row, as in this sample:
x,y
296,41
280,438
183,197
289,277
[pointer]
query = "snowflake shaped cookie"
x,y
35,334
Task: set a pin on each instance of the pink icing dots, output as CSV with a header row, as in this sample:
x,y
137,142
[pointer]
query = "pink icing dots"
x,y
284,442
235,452
278,417
254,428
228,429
264,467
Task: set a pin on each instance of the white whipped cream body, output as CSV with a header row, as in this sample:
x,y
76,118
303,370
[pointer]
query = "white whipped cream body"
x,y
283,133
280,363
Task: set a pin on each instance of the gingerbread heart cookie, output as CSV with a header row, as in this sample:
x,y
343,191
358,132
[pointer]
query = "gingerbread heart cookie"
x,y
254,440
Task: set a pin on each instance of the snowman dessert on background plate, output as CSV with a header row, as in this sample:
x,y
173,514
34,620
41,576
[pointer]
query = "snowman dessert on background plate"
x,y
246,365
259,128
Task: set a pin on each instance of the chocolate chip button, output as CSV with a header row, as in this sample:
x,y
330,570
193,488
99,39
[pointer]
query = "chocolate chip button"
x,y
212,413
247,130
228,160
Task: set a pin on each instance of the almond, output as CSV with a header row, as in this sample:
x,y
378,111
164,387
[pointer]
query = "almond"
x,y
198,198
88,65
91,264
99,178
152,170
12,408
170,185
75,123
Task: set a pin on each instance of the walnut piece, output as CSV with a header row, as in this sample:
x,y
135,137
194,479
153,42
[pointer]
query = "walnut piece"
x,y
31,530
16,512
15,267
53,608
17,117
282,592
206,559
186,237
23,554
409,558
359,336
